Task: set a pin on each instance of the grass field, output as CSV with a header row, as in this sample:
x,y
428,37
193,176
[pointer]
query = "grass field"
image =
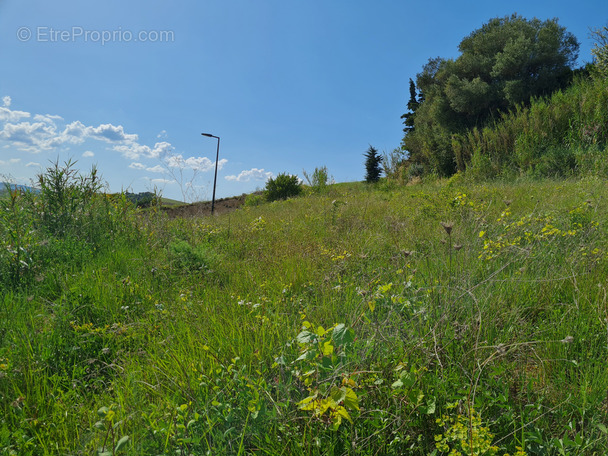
x,y
433,319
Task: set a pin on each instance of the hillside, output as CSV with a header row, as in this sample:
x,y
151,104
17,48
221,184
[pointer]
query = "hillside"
x,y
361,320
3,187
222,206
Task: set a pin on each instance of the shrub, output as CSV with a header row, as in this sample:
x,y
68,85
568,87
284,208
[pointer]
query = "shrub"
x,y
282,187
591,161
393,165
319,179
66,217
66,198
414,170
253,199
143,200
185,256
556,162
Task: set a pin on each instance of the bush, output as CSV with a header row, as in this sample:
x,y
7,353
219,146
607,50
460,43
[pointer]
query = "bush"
x,y
67,216
144,199
185,256
591,161
319,179
282,187
414,170
67,199
556,162
253,200
481,167
393,165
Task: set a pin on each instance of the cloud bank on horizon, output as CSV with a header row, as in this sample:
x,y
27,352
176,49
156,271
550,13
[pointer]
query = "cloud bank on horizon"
x,y
24,132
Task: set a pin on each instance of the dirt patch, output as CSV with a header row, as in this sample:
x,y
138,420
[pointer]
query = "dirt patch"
x,y
202,209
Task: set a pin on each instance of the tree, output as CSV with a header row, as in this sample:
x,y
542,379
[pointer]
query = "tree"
x,y
600,50
412,106
373,161
502,65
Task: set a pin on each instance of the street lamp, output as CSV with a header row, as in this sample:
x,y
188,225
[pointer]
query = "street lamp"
x,y
217,156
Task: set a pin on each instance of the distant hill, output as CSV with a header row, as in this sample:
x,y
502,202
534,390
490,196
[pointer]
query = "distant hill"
x,y
145,199
25,188
142,199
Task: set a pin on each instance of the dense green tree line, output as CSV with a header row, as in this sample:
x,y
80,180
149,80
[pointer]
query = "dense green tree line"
x,y
503,65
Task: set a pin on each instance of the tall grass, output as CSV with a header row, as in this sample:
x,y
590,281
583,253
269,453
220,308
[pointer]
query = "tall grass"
x,y
346,322
563,135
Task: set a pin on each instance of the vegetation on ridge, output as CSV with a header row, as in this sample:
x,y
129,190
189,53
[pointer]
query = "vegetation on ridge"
x,y
508,104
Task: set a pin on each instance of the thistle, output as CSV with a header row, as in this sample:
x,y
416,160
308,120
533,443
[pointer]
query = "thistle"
x,y
447,227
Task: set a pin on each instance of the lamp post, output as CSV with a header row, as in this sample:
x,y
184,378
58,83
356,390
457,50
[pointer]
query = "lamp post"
x,y
217,156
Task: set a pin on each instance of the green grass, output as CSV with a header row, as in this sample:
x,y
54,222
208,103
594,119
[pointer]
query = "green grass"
x,y
171,202
345,322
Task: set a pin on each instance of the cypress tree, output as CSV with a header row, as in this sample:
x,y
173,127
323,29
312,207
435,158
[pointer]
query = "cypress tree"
x,y
372,165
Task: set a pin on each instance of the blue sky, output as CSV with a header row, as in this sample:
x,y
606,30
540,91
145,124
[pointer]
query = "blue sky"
x,y
287,84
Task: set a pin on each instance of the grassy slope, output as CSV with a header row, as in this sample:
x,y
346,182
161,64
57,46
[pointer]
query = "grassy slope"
x,y
171,203
189,333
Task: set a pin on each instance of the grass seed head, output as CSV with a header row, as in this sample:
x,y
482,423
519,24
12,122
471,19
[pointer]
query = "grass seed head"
x,y
447,227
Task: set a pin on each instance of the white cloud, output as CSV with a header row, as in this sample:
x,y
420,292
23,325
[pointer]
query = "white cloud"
x,y
252,174
10,161
157,169
199,163
111,133
35,137
161,148
76,130
24,133
47,118
42,133
175,161
8,115
36,133
194,163
153,169
162,181
30,164
134,151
